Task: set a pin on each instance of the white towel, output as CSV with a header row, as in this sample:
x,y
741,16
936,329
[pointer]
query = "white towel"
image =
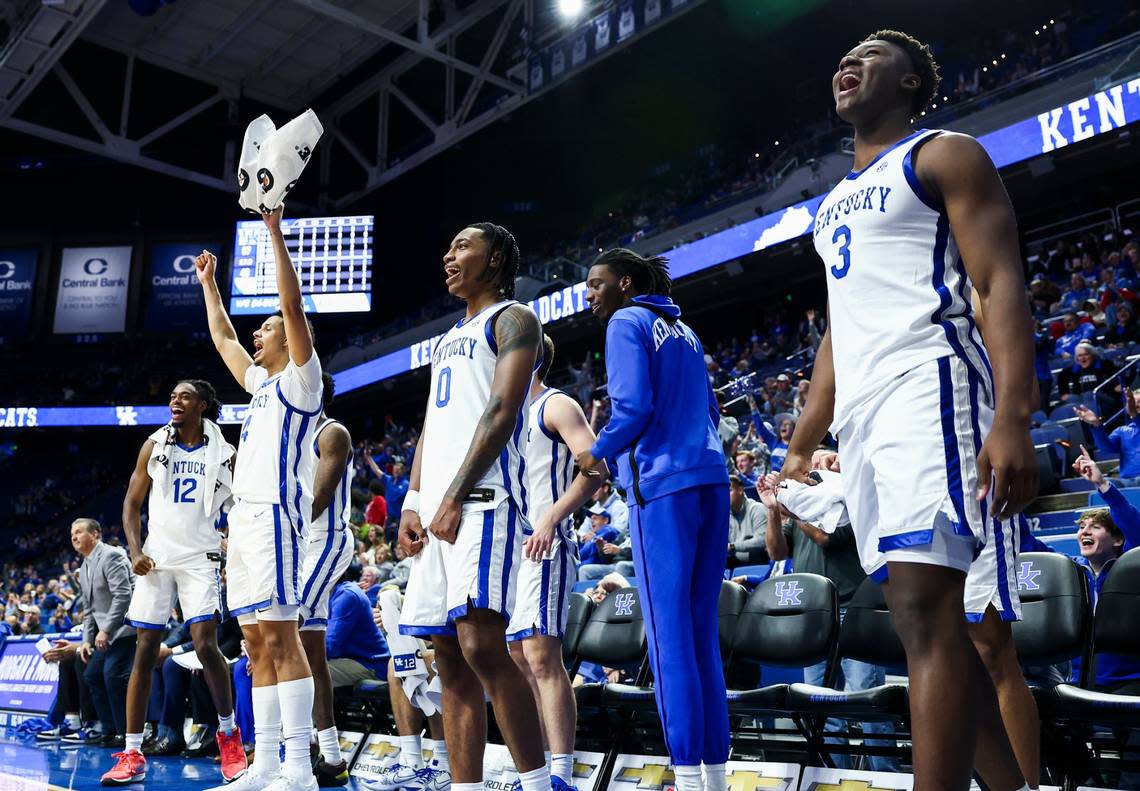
x,y
282,158
259,130
408,656
219,462
821,505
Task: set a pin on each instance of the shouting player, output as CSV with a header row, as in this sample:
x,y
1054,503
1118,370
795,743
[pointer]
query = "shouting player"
x,y
187,466
273,490
468,485
934,436
662,430
557,432
330,551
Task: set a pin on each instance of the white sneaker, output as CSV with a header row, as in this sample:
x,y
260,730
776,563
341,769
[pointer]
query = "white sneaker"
x,y
287,782
249,781
395,776
432,778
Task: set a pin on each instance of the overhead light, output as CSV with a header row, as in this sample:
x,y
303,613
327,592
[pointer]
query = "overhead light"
x,y
570,8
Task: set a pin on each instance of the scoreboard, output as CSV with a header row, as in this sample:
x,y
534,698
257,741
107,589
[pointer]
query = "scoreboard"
x,y
332,255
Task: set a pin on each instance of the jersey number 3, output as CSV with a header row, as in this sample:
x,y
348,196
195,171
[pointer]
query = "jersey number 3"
x,y
844,233
183,488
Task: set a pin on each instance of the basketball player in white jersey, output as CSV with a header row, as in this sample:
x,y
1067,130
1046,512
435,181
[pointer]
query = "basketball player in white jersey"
x,y
468,484
187,468
557,432
273,490
933,427
330,550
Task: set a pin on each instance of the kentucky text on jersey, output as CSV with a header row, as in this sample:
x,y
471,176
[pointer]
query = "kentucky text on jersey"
x,y
662,332
188,468
867,199
459,346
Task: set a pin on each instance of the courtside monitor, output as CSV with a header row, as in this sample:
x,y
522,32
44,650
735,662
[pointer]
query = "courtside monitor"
x,y
333,257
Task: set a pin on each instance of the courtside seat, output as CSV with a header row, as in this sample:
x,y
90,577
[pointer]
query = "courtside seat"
x,y
868,636
1056,611
613,636
788,621
371,689
581,606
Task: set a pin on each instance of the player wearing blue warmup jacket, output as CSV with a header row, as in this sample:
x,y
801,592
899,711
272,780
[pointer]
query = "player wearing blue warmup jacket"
x,y
662,431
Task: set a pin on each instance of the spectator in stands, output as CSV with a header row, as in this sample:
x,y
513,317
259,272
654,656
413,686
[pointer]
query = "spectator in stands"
x,y
403,568
1126,329
108,646
31,621
1086,375
777,443
608,499
601,532
377,511
1103,536
747,525
396,485
835,557
60,621
383,562
746,468
1077,294
369,583
800,401
1124,440
1043,295
372,542
355,647
1074,332
784,399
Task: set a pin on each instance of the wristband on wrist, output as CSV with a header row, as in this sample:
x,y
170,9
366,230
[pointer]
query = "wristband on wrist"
x,y
411,501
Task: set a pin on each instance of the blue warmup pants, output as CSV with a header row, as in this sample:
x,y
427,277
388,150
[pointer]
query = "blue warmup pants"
x,y
679,550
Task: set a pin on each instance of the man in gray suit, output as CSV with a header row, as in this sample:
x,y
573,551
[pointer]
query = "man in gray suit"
x,y
108,646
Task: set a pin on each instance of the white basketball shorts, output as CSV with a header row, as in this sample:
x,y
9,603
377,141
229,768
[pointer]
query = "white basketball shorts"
x,y
909,461
263,558
196,589
542,601
330,551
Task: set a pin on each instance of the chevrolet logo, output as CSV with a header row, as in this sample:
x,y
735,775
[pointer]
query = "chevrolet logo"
x,y
742,780
583,770
654,776
382,749
848,785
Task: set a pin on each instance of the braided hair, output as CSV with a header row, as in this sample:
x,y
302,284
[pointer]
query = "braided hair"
x,y
649,275
503,242
207,393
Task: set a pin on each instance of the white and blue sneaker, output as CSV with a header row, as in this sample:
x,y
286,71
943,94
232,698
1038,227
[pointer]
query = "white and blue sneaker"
x,y
393,777
81,736
432,778
558,784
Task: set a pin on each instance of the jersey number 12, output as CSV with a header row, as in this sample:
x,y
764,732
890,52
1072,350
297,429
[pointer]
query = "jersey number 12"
x,y
183,488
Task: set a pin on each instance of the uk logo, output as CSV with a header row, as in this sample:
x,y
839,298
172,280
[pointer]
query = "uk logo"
x,y
1027,577
788,594
623,604
127,416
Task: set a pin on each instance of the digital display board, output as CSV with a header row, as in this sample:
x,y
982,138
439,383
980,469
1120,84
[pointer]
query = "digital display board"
x,y
333,257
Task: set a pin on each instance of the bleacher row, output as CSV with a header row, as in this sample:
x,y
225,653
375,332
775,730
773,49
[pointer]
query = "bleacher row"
x,y
793,621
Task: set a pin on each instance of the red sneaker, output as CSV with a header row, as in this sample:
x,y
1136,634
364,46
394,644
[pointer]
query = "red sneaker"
x,y
232,754
130,768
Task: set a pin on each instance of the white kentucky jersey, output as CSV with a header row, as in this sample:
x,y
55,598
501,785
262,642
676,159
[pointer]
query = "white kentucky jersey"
x,y
549,463
897,290
462,368
179,531
339,510
275,455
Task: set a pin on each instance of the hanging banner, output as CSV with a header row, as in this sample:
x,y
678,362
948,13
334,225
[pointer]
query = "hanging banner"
x,y
557,62
17,287
536,73
603,31
92,294
173,295
652,11
627,22
580,51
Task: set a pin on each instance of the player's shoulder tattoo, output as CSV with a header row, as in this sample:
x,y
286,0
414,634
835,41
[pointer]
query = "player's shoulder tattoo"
x,y
517,328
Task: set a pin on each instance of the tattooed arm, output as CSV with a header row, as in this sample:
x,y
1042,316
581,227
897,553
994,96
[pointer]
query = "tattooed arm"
x,y
518,335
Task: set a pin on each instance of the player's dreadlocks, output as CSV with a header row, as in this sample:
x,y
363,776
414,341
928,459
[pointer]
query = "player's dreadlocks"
x,y
649,275
921,59
503,242
207,393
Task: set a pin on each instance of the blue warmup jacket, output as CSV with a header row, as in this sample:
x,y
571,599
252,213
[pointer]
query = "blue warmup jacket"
x,y
776,446
352,633
1111,669
1124,440
663,418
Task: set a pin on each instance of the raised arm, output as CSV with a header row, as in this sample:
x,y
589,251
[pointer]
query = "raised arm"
x,y
222,333
758,423
289,291
959,173
812,426
132,509
335,445
518,336
563,418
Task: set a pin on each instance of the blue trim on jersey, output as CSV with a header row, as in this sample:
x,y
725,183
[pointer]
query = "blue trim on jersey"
x,y
880,574
491,338
971,326
277,552
413,630
542,416
315,622
532,631
563,567
945,297
508,555
544,596
143,624
916,185
954,482
283,469
520,422
854,174
285,401
190,449
199,618
324,586
485,554
913,538
261,605
321,560
553,473
466,320
976,429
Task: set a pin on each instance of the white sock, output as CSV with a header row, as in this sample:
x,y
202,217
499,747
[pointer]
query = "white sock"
x,y
536,779
714,777
329,741
226,724
296,698
439,758
133,742
466,787
547,753
266,731
411,752
562,767
73,721
688,778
